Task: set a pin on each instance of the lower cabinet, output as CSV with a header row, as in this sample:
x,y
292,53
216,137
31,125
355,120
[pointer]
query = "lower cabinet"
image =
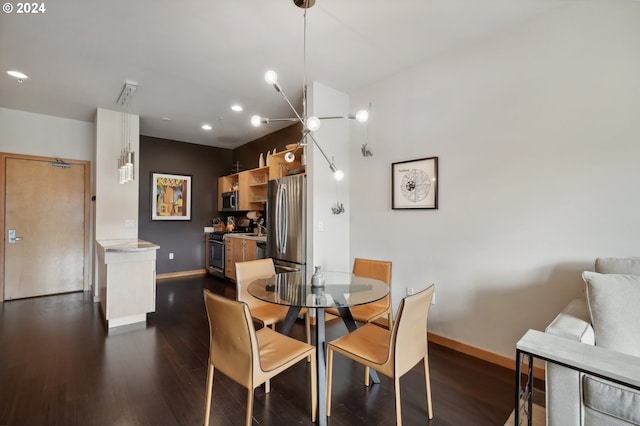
x,y
237,249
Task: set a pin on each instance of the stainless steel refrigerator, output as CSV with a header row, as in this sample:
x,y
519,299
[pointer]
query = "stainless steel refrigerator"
x,y
287,222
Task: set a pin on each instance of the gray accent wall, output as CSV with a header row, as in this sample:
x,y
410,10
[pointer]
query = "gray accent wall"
x,y
183,238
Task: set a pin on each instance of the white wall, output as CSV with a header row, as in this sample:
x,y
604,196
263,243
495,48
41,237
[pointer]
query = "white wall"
x,y
538,135
27,133
328,234
116,204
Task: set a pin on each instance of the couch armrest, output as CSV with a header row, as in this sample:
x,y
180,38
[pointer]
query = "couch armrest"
x,y
563,398
574,322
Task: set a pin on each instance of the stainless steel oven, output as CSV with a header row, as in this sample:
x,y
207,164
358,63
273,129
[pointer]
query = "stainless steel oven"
x,y
216,254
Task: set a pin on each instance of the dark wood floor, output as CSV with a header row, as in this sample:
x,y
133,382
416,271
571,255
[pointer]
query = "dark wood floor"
x,y
59,366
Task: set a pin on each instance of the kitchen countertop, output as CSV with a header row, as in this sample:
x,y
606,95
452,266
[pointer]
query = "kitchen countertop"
x,y
248,236
125,245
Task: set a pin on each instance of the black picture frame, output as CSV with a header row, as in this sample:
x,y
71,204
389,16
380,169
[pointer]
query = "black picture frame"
x,y
414,184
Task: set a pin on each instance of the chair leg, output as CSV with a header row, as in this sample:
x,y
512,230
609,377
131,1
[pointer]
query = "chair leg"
x,y
396,386
314,388
267,386
207,403
329,378
427,379
307,328
366,376
249,406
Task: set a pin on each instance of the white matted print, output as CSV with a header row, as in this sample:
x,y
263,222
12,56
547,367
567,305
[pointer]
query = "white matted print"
x,y
414,184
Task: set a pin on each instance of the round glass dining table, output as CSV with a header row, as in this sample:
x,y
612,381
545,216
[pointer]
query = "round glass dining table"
x,y
340,290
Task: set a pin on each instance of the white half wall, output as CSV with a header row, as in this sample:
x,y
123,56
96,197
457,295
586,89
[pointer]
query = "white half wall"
x,y
116,204
328,234
538,135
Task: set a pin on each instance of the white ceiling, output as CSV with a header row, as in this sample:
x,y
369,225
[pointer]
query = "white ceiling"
x,y
192,59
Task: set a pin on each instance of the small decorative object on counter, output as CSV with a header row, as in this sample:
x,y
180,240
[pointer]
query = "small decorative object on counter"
x,y
261,160
218,225
231,223
317,279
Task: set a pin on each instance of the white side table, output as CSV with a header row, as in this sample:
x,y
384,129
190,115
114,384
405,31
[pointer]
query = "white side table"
x,y
616,367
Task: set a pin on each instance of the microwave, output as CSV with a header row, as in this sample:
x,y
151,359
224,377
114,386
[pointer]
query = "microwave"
x,y
229,201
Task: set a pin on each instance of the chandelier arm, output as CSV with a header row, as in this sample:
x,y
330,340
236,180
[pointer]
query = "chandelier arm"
x,y
348,117
269,120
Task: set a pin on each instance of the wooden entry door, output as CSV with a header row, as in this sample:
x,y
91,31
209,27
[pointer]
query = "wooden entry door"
x,y
46,208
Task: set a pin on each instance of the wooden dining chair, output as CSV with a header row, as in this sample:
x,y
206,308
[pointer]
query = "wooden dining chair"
x,y
390,352
265,313
247,356
380,270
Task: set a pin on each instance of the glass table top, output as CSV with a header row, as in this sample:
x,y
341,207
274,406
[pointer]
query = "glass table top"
x,y
341,289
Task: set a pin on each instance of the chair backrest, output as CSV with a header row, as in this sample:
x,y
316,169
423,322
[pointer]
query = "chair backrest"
x,y
378,269
409,333
233,347
248,271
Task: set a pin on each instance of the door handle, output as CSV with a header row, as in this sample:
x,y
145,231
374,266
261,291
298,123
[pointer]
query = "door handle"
x,y
12,236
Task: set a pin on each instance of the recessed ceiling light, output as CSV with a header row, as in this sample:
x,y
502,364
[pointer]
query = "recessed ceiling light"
x,y
206,127
17,74
236,108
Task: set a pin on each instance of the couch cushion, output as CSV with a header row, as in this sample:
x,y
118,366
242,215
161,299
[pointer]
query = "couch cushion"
x,y
618,265
613,303
611,399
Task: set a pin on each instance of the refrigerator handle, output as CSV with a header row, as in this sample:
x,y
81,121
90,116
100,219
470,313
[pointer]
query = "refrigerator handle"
x,y
284,211
278,224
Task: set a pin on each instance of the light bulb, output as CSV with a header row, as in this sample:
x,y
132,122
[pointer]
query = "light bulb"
x,y
17,74
289,157
338,174
362,115
256,121
271,77
313,123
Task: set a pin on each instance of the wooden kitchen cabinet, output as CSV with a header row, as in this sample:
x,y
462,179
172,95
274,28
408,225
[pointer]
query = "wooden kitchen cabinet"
x,y
226,184
279,168
256,190
252,184
237,249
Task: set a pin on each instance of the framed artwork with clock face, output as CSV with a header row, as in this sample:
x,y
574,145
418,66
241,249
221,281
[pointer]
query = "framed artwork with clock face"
x,y
414,184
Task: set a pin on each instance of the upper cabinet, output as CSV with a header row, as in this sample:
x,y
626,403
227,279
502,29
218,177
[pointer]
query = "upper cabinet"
x,y
253,188
278,167
252,184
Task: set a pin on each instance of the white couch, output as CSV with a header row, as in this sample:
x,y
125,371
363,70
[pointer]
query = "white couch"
x,y
608,316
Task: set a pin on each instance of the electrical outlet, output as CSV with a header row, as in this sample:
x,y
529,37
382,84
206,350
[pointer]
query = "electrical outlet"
x,y
170,256
129,223
433,298
410,291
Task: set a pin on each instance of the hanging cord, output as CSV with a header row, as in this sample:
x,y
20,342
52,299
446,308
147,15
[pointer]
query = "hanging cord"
x,y
304,64
339,208
366,152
